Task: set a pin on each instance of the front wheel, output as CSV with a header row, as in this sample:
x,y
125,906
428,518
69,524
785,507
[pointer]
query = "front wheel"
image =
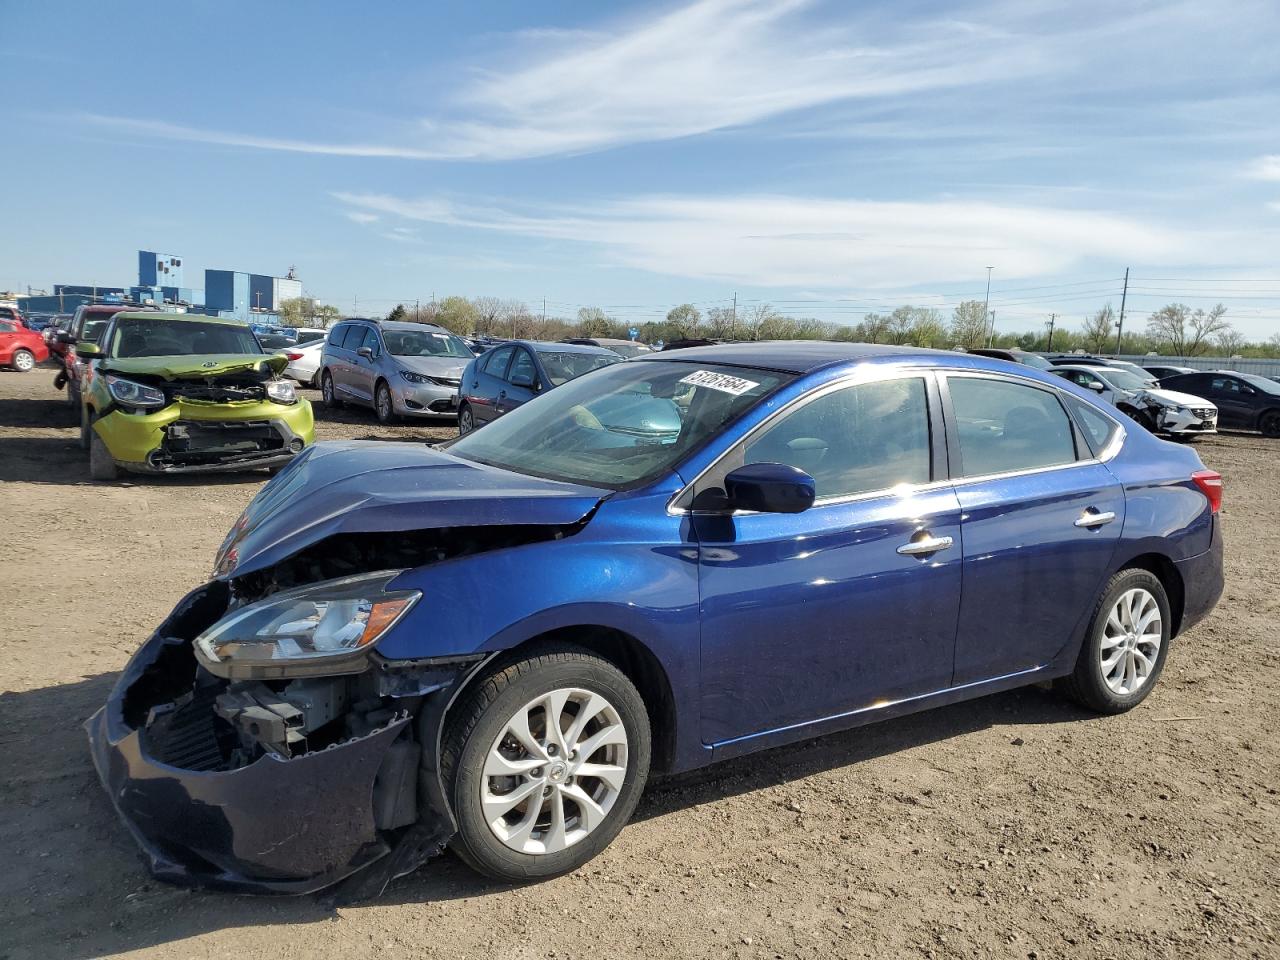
x,y
1270,424
382,405
1140,417
101,466
466,420
544,762
24,361
1124,652
327,392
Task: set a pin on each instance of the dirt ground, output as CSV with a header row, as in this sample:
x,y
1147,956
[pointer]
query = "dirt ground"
x,y
1013,826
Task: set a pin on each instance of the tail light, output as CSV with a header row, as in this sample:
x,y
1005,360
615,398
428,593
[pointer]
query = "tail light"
x,y
293,354
1210,484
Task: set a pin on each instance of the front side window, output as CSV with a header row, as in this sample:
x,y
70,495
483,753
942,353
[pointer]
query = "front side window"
x,y
522,369
1005,427
858,439
8,327
369,340
495,363
622,425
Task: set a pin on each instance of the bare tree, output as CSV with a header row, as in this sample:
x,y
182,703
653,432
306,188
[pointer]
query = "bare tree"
x,y
492,312
1098,328
874,327
757,321
721,323
969,324
1186,332
593,322
1230,341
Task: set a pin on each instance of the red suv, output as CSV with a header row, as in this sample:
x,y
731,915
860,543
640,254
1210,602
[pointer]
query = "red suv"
x,y
14,314
20,348
86,326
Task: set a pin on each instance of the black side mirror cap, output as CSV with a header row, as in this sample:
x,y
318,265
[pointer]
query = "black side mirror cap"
x,y
770,488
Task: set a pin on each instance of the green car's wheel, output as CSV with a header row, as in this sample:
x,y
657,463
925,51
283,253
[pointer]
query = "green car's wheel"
x,y
101,466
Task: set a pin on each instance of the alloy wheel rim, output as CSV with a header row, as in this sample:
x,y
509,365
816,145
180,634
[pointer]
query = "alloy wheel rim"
x,y
326,387
555,771
24,361
464,422
384,404
1131,641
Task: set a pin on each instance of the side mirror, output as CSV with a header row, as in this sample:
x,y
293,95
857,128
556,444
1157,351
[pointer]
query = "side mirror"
x,y
523,380
770,488
88,351
1095,385
366,352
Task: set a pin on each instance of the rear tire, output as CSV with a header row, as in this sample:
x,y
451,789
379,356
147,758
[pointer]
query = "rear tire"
x,y
564,814
1270,424
328,393
1124,651
24,361
101,466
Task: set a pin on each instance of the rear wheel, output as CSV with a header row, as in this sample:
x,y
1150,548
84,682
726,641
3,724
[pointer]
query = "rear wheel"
x,y
544,762
23,361
1270,423
101,466
382,404
1124,652
327,392
466,420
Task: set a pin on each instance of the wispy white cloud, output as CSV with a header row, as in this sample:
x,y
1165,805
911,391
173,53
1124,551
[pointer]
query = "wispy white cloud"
x,y
822,244
1264,168
359,216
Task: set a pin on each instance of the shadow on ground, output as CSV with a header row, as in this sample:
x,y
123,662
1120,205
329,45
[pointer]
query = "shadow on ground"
x,y
69,856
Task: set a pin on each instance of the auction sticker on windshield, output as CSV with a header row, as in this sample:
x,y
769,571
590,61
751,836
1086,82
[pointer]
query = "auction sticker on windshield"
x,y
720,381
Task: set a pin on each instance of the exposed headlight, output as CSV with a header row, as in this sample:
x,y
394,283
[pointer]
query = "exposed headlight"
x,y
323,628
423,378
130,393
282,391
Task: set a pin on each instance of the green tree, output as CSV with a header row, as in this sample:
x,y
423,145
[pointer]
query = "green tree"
x,y
969,324
306,312
683,320
398,313
593,322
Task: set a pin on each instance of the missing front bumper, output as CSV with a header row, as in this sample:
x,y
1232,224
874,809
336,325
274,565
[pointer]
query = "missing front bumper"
x,y
273,824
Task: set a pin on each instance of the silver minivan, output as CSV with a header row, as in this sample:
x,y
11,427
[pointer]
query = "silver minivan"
x,y
399,369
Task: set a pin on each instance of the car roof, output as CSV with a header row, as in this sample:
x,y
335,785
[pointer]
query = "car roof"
x,y
803,356
548,346
180,317
401,325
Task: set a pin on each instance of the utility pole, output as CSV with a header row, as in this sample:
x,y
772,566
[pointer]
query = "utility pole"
x,y
991,336
986,301
415,310
1123,296
733,322
1052,318
544,309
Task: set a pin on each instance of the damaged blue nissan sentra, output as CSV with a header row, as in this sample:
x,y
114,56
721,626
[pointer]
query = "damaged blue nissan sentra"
x,y
662,564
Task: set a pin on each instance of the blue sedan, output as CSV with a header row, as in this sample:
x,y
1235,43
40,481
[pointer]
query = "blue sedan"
x,y
664,563
502,379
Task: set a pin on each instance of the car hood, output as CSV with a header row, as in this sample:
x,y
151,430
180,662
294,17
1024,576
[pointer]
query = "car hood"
x,y
198,366
435,366
1176,399
359,486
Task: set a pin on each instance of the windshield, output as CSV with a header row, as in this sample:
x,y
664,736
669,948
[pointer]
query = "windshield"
x,y
160,337
620,425
564,365
1034,360
1262,383
425,343
1121,379
629,350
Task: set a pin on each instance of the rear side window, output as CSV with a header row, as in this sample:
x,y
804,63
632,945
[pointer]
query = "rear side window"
x,y
339,334
859,439
1005,427
494,362
1098,428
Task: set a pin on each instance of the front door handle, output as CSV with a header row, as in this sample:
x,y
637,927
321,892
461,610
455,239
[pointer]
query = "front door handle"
x,y
924,544
1095,518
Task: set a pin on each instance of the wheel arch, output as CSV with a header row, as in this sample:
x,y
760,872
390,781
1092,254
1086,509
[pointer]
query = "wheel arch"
x,y
1166,571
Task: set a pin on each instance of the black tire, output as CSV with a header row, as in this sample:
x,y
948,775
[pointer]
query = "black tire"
x,y
1269,424
1086,684
1140,417
101,466
466,420
480,718
383,406
24,361
86,431
327,392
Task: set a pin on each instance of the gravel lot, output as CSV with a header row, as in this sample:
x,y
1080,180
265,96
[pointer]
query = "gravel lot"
x,y
1013,826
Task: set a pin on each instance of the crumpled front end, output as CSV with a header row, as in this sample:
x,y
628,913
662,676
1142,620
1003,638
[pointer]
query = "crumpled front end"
x,y
279,786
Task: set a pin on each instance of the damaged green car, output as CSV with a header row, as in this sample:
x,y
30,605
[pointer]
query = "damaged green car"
x,y
184,393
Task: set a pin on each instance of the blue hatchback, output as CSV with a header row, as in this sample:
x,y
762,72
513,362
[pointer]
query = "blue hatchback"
x,y
666,562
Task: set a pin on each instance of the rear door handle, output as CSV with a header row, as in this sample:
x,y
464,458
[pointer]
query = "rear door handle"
x,y
1095,518
925,544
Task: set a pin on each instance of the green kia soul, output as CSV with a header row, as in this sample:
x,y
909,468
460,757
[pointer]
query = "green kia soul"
x,y
186,393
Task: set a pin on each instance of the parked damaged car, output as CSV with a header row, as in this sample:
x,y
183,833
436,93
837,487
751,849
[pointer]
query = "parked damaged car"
x,y
492,644
185,393
1156,408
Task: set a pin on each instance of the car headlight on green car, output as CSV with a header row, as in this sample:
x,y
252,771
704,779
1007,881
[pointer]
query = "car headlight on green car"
x,y
282,391
130,393
323,628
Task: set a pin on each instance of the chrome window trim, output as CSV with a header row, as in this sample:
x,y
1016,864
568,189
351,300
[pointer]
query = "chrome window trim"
x,y
869,376
854,378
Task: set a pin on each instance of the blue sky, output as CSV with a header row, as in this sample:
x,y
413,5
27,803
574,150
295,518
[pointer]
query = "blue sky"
x,y
831,158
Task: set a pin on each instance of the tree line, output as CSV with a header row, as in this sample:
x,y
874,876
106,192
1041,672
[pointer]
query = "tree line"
x,y
1174,330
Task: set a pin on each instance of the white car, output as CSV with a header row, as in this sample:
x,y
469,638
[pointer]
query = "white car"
x,y
304,362
1157,409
